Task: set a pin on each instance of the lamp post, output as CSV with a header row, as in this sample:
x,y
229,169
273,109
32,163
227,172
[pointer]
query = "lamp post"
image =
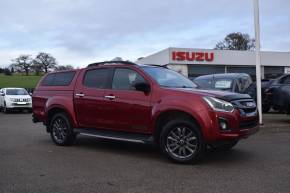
x,y
258,58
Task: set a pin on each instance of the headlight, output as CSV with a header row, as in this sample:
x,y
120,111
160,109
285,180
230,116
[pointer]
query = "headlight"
x,y
12,100
219,105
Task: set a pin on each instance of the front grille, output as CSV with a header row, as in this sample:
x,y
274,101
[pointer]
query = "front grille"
x,y
248,124
21,100
18,105
247,107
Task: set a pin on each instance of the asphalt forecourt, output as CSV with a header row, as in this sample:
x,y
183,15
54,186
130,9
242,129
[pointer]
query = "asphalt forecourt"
x,y
30,162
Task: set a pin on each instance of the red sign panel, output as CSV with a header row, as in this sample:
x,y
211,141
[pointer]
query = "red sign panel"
x,y
192,56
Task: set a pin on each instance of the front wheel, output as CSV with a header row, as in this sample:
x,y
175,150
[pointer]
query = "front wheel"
x,y
266,108
61,130
5,109
181,141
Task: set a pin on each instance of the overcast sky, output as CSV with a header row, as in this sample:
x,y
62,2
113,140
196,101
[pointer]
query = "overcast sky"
x,y
79,32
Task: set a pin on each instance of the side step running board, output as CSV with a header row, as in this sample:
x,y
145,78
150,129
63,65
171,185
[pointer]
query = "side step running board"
x,y
115,135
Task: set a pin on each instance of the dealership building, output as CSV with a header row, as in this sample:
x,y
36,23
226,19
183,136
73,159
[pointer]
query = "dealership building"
x,y
195,62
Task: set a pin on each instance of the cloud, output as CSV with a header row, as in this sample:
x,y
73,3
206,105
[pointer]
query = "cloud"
x,y
77,31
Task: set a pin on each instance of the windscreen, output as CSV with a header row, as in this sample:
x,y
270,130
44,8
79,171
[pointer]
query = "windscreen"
x,y
16,92
223,84
214,83
204,83
168,78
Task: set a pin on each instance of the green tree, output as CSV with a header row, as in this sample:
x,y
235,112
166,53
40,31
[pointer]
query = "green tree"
x,y
236,41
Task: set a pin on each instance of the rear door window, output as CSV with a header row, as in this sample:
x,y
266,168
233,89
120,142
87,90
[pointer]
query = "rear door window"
x,y
96,78
58,79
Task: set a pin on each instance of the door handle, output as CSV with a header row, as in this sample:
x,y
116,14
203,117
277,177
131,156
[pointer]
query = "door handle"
x,y
80,94
111,97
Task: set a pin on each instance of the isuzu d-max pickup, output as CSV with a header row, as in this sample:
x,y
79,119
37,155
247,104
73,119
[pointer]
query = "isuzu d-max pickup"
x,y
125,101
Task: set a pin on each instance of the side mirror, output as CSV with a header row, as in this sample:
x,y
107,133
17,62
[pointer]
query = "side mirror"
x,y
2,94
143,87
30,93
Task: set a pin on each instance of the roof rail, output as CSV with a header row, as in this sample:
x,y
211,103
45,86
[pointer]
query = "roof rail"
x,y
111,62
157,65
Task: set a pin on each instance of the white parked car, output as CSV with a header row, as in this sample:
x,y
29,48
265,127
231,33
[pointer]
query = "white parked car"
x,y
15,99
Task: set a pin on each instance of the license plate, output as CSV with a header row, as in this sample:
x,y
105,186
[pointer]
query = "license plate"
x,y
21,103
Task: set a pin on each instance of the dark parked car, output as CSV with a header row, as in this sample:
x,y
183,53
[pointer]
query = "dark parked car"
x,y
278,93
234,82
142,104
266,101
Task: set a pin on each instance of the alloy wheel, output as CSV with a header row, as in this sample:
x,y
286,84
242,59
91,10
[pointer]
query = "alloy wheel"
x,y
59,130
181,142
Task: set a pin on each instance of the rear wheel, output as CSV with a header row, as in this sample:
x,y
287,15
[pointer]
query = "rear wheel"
x,y
61,130
181,141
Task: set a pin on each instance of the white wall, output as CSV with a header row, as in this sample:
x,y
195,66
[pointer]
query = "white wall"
x,y
221,57
159,58
275,58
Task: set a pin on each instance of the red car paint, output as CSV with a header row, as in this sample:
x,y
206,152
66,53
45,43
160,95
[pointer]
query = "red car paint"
x,y
137,112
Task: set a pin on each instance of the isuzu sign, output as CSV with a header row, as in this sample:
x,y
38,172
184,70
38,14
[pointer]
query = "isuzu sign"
x,y
193,56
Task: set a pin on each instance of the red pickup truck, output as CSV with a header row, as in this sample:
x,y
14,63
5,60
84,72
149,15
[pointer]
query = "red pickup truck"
x,y
144,104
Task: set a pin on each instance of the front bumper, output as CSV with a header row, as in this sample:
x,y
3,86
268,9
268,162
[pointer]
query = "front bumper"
x,y
239,133
238,126
18,105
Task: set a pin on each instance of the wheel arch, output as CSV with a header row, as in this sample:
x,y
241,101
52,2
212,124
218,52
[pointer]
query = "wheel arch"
x,y
58,109
167,115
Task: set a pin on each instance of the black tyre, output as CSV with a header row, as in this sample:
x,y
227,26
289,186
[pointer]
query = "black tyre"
x,y
181,141
28,111
61,130
266,108
5,109
224,146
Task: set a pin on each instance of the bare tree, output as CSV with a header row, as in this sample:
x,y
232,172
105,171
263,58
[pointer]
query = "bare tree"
x,y
45,60
236,41
23,63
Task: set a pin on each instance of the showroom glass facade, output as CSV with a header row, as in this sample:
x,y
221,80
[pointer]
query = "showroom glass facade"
x,y
198,70
250,70
273,71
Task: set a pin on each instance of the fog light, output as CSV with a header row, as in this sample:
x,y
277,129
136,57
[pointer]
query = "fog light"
x,y
223,124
